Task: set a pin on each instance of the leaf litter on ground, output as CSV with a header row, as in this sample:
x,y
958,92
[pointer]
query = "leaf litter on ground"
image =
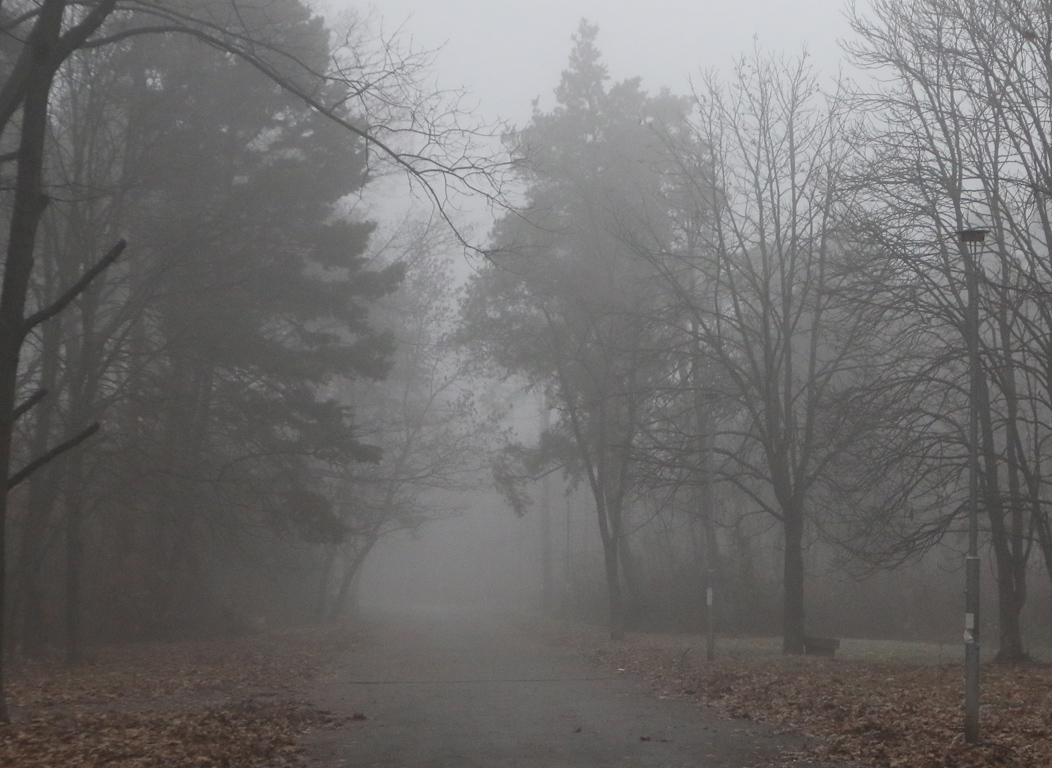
x,y
208,704
855,709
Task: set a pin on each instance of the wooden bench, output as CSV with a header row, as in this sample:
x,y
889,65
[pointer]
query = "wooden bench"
x,y
820,646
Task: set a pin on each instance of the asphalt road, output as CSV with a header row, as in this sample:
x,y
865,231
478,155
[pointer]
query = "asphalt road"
x,y
455,689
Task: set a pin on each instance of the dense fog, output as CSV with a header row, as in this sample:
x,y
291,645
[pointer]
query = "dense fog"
x,y
757,357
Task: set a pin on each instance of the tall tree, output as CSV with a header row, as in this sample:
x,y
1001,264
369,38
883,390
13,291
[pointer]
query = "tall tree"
x,y
275,38
960,138
758,265
563,301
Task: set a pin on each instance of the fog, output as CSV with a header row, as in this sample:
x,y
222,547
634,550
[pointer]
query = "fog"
x,y
489,559
506,56
485,557
722,330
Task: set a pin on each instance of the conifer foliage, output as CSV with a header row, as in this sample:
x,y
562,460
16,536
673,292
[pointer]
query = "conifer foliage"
x,y
183,269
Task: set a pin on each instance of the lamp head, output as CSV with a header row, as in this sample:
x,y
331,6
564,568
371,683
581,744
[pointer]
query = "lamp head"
x,y
972,235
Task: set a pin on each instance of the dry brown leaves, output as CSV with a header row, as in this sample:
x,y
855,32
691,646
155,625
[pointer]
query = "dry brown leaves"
x,y
231,702
859,712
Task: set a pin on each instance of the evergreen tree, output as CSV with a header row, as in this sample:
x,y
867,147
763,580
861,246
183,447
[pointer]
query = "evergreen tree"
x,y
566,303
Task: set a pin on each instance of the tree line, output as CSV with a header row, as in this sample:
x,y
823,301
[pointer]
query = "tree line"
x,y
195,320
750,302
220,386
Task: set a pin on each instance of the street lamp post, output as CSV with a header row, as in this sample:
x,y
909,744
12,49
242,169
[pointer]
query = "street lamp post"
x,y
972,240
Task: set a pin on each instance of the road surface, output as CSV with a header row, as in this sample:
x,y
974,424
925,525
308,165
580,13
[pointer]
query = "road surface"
x,y
456,689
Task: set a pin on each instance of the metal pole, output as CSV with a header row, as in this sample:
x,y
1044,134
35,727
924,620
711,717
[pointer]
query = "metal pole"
x,y
972,239
703,496
567,586
547,588
703,425
708,505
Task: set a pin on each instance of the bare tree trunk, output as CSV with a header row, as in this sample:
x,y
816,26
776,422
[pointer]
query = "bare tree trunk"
x,y
322,600
632,591
83,391
351,570
74,560
793,579
27,608
29,205
613,588
1010,592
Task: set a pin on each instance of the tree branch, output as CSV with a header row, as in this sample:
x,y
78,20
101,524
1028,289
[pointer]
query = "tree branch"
x,y
420,168
24,407
75,290
54,453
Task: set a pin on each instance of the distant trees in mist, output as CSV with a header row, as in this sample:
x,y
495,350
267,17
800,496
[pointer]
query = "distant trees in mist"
x,y
183,268
220,387
751,301
563,301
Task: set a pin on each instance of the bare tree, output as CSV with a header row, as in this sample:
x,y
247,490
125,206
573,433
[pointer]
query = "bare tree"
x,y
565,303
373,96
763,267
960,138
423,417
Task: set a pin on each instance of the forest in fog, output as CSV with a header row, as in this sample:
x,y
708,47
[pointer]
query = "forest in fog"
x,y
733,321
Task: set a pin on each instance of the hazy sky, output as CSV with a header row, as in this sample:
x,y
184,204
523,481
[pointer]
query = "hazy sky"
x,y
506,53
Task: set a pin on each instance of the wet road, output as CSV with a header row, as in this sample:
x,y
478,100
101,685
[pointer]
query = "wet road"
x,y
453,689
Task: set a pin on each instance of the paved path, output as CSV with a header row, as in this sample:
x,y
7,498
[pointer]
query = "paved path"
x,y
457,690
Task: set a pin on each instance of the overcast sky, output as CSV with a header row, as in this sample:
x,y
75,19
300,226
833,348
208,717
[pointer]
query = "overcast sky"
x,y
506,53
